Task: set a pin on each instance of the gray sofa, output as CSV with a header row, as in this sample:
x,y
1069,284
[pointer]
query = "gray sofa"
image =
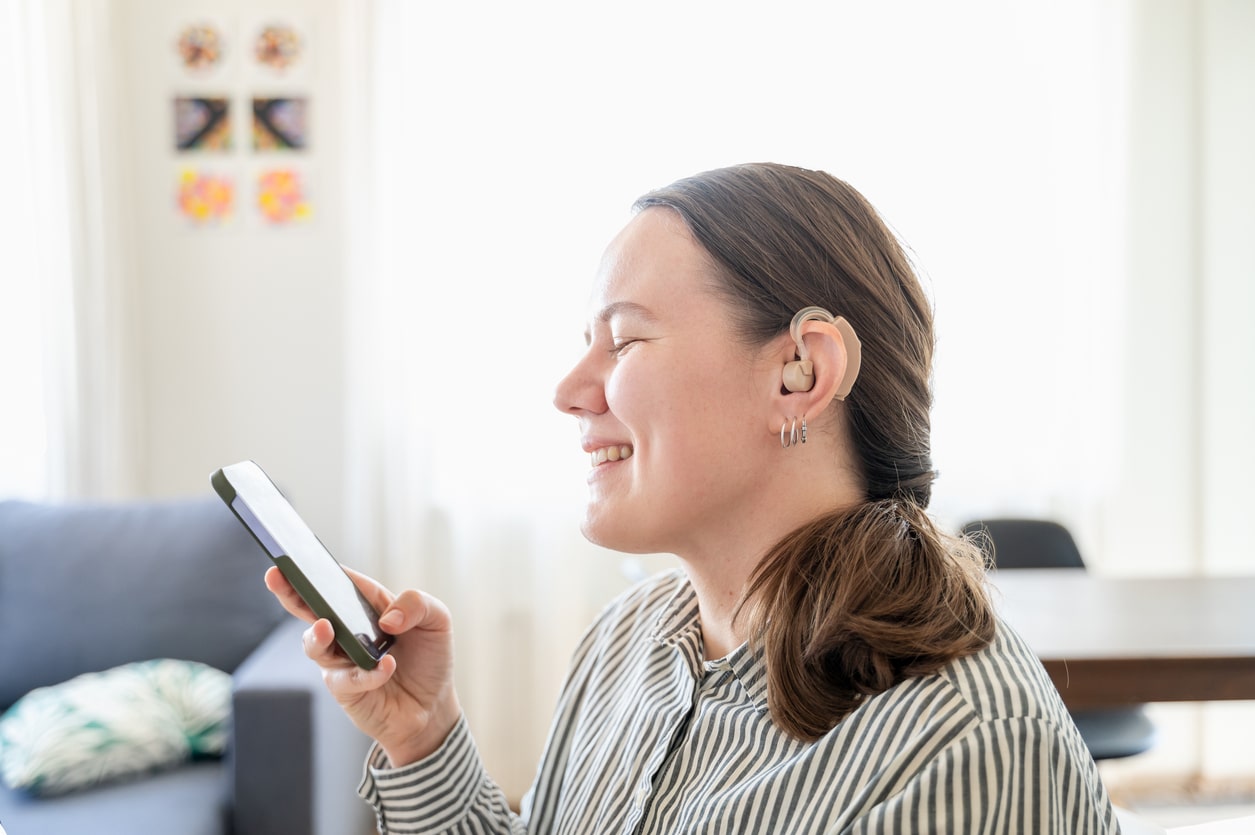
x,y
87,587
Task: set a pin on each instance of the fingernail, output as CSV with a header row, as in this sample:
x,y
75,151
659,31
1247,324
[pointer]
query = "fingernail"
x,y
392,620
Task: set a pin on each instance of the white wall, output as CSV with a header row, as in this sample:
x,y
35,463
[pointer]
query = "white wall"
x,y
237,332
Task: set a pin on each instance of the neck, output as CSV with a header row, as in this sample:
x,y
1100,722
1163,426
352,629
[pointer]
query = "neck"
x,y
718,595
721,565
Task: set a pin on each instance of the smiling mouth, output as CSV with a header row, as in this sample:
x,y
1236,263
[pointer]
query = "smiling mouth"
x,y
610,453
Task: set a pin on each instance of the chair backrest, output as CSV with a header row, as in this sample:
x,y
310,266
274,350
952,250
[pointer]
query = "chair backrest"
x,y
1026,543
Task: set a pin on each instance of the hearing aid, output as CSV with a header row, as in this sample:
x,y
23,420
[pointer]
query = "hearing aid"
x,y
799,375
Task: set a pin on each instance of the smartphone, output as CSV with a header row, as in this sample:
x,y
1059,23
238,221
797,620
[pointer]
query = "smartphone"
x,y
306,563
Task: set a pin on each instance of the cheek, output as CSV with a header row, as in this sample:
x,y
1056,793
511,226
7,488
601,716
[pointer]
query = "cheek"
x,y
639,394
681,405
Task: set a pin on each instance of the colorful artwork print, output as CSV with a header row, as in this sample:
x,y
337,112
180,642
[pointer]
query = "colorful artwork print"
x,y
202,124
200,47
205,197
281,197
279,124
278,47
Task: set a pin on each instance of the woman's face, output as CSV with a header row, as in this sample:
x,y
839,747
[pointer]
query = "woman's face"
x,y
673,410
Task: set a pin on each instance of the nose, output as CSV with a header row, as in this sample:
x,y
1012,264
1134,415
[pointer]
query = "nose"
x,y
582,390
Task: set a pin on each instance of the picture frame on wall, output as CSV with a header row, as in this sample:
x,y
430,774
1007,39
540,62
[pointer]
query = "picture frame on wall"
x,y
240,121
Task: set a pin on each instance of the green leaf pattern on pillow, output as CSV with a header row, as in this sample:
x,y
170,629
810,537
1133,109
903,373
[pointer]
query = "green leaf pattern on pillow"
x,y
200,698
106,726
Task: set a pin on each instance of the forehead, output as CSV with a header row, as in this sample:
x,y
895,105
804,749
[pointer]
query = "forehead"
x,y
653,262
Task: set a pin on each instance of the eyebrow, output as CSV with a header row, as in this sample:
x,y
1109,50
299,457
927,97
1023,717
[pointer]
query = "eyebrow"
x,y
619,308
616,308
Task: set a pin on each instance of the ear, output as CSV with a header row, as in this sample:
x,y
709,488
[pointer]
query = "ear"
x,y
834,356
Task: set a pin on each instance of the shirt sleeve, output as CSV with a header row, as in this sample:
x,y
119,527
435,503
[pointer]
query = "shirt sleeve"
x,y
447,793
1008,775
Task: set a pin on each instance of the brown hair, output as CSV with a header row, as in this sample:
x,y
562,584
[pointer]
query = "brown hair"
x,y
877,593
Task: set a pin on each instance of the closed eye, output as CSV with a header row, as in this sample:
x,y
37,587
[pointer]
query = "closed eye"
x,y
621,345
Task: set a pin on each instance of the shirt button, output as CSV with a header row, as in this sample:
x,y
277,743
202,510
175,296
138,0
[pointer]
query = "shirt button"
x,y
642,794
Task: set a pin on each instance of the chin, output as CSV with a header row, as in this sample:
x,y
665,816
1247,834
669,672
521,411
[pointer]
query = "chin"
x,y
599,533
616,536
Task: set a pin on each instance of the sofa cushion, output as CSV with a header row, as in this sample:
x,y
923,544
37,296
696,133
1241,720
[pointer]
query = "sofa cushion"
x,y
125,722
88,587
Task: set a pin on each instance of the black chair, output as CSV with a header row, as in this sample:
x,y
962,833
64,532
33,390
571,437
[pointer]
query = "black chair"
x,y
1009,544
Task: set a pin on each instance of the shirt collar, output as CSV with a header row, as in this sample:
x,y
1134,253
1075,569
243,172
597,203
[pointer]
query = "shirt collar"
x,y
750,668
679,626
678,623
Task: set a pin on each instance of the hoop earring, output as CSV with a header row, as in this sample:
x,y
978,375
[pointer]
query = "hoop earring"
x,y
790,435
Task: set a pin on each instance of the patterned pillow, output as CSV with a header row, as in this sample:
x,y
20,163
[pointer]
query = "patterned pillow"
x,y
106,726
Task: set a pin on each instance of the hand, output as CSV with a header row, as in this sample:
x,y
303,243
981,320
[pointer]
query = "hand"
x,y
408,702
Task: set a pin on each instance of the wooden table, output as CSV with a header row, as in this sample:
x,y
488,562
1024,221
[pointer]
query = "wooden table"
x,y
1110,641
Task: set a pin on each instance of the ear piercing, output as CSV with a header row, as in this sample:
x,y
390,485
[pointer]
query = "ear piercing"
x,y
791,434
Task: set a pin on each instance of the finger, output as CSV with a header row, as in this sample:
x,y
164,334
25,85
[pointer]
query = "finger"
x,y
376,594
343,678
414,609
397,613
287,596
321,648
351,681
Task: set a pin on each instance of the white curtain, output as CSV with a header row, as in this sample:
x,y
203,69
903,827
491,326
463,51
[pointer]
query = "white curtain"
x,y
62,431
463,480
498,150
35,282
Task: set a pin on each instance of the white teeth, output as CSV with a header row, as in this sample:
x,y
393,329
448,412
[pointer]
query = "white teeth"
x,y
610,453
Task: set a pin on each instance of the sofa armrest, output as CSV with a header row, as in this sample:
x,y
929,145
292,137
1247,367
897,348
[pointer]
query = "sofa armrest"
x,y
296,759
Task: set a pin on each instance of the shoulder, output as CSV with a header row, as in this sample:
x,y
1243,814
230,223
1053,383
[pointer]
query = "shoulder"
x,y
639,611
1005,680
998,696
622,636
984,725
654,591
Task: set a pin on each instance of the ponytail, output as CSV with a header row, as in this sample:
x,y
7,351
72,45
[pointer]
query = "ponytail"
x,y
857,601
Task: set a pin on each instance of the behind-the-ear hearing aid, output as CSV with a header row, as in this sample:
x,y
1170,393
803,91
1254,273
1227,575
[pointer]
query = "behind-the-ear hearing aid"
x,y
799,375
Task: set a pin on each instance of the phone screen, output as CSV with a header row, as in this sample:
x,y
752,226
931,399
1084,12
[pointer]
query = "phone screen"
x,y
283,533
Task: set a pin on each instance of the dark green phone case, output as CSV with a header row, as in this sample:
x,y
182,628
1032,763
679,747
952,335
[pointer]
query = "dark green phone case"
x,y
353,647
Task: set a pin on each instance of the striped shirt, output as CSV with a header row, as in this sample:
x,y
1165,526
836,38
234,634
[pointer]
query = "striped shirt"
x,y
650,738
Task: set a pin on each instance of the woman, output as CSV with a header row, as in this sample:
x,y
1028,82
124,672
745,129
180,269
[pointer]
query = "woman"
x,y
754,399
